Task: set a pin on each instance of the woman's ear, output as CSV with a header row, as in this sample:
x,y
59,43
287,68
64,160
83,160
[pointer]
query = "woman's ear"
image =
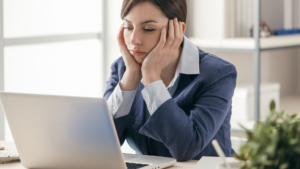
x,y
183,27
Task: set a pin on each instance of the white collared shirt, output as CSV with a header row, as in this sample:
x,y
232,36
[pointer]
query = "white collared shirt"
x,y
156,93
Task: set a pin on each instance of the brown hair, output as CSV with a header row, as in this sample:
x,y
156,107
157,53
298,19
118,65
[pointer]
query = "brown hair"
x,y
171,8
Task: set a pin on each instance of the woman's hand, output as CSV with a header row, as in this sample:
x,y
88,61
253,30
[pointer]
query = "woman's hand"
x,y
133,74
162,54
130,62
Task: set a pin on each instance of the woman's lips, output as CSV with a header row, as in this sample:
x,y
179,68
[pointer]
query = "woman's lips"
x,y
137,53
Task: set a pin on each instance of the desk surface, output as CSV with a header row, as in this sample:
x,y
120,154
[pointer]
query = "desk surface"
x,y
17,165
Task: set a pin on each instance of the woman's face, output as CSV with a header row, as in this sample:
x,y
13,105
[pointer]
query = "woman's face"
x,y
143,26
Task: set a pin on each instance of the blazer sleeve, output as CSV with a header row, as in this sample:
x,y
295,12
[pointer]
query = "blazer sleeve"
x,y
112,90
186,134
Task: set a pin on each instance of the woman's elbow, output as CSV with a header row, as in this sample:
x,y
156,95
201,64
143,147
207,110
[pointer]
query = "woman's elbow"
x,y
182,156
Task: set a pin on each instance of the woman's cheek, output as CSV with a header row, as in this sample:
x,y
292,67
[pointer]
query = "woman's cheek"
x,y
153,39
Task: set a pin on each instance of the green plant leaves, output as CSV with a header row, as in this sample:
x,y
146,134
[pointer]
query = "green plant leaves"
x,y
273,143
272,105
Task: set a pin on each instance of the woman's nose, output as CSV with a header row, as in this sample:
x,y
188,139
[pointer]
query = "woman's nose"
x,y
136,38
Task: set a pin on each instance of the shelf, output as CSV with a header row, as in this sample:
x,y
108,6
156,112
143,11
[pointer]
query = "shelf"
x,y
248,44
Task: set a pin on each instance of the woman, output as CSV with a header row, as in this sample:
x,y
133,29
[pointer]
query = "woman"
x,y
167,97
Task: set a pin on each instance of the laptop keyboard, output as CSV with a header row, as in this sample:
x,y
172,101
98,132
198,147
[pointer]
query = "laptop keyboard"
x,y
8,155
135,165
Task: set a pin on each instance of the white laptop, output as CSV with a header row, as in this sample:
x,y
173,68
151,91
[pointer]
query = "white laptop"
x,y
68,132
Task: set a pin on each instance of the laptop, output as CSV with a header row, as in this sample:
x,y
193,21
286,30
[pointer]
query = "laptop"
x,y
69,132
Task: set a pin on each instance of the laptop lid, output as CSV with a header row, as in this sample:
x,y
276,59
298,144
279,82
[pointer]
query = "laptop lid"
x,y
62,131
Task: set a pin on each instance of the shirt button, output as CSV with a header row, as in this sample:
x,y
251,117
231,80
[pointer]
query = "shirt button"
x,y
150,108
146,98
118,98
114,107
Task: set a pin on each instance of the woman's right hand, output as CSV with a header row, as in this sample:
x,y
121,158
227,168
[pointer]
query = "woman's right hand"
x,y
130,62
133,73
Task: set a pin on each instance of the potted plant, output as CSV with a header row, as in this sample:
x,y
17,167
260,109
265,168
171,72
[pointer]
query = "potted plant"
x,y
273,143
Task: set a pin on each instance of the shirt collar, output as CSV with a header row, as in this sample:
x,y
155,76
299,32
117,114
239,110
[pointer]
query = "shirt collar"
x,y
188,62
189,59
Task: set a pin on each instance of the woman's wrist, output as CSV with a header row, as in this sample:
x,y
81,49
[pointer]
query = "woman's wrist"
x,y
150,77
133,70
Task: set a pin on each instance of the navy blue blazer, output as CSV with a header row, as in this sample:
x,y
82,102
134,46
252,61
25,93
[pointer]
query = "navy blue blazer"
x,y
183,126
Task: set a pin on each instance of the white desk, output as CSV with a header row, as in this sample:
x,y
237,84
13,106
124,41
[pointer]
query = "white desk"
x,y
17,165
204,163
211,162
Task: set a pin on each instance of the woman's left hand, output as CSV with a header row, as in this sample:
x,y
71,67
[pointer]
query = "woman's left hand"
x,y
162,54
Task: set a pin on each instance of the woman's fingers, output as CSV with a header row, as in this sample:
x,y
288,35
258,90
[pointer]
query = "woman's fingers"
x,y
163,38
177,35
120,36
170,38
121,42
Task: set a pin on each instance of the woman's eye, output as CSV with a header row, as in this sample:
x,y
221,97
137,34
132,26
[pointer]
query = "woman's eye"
x,y
128,28
149,30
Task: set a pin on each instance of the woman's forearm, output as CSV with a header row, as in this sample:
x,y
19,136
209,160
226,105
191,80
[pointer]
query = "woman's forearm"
x,y
130,80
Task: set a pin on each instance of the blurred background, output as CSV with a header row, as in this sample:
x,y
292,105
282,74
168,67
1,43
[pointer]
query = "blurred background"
x,y
66,47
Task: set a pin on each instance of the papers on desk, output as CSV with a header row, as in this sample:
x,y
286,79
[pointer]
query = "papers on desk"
x,y
207,162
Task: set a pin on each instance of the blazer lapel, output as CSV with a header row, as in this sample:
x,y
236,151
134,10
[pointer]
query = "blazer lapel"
x,y
184,82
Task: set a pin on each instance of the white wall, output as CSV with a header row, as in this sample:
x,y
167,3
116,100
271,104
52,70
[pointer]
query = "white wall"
x,y
190,18
208,19
113,26
234,18
288,14
291,14
221,18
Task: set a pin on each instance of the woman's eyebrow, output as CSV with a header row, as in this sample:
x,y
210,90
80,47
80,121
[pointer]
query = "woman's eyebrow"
x,y
148,21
